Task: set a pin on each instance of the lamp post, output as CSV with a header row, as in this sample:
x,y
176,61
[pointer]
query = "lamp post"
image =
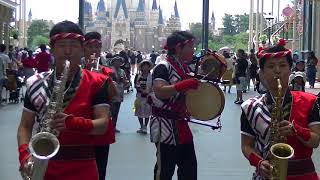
x,y
81,8
269,19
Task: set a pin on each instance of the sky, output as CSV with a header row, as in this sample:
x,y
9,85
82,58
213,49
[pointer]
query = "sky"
x,y
190,10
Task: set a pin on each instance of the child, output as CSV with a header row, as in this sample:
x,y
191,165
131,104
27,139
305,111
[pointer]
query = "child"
x,y
142,108
297,81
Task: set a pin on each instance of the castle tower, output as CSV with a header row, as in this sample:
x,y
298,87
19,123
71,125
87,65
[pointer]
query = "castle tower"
x,y
140,26
161,31
154,14
120,24
88,16
174,24
30,16
213,23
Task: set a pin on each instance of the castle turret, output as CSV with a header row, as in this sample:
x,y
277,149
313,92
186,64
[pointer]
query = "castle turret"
x,y
30,16
174,24
176,12
140,24
154,14
213,21
121,4
120,24
87,14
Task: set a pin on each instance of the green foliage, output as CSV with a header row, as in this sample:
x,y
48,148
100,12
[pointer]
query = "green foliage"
x,y
37,28
196,30
14,33
234,34
37,40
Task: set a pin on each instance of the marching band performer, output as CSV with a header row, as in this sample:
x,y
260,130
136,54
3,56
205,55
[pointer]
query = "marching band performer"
x,y
168,129
92,51
85,114
300,126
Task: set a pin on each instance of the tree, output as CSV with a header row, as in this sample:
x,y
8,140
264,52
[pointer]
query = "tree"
x,y
196,30
228,24
37,27
37,40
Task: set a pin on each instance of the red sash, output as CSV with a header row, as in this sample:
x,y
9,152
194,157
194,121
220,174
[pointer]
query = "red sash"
x,y
80,105
301,116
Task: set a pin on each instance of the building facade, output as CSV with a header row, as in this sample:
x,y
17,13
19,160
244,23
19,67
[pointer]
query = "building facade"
x,y
7,8
137,24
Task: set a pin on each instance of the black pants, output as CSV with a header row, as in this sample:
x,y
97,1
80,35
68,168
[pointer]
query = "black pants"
x,y
115,107
182,155
102,153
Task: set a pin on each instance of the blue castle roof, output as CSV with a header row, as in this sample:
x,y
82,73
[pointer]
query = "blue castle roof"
x,y
154,5
87,7
141,6
121,3
160,20
101,6
176,13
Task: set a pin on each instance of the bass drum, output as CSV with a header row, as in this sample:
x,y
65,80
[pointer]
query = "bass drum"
x,y
206,102
213,66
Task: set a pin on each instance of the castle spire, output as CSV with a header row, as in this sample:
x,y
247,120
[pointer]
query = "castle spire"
x,y
212,17
154,5
141,6
176,13
30,13
101,6
124,7
160,20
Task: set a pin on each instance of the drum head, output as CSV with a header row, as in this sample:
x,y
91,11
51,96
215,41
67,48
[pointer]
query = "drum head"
x,y
206,102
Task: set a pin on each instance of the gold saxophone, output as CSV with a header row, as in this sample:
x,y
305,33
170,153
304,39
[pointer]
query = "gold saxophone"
x,y
44,144
280,152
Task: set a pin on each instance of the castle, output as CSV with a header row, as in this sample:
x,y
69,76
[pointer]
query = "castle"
x,y
136,24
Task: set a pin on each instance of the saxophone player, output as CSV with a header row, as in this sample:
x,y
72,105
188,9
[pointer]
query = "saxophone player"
x,y
300,122
92,49
85,110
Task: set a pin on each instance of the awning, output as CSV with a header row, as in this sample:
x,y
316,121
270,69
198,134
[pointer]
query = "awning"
x,y
9,4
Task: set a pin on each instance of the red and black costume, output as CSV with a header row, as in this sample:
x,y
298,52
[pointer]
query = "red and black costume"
x,y
169,127
76,157
255,122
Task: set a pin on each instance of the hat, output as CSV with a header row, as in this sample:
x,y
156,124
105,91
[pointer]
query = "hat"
x,y
297,74
300,61
145,62
116,58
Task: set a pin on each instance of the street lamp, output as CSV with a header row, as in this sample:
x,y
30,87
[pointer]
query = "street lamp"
x,y
269,19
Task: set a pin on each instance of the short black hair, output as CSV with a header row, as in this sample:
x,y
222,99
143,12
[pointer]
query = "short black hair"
x,y
178,37
65,27
43,47
92,35
274,49
3,47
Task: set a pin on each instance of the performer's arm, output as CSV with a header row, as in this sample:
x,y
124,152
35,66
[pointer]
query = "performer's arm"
x,y
25,131
25,127
310,137
161,86
248,150
96,126
164,90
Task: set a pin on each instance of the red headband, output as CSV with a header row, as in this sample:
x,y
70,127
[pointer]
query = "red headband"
x,y
93,41
263,54
66,36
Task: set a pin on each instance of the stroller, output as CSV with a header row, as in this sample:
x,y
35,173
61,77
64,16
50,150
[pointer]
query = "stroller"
x,y
14,86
